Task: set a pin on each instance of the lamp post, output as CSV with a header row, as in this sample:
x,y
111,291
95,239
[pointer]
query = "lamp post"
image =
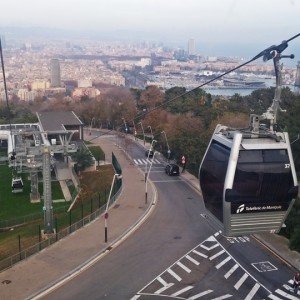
x,y
151,148
107,205
147,176
169,151
151,131
92,121
134,130
143,131
126,129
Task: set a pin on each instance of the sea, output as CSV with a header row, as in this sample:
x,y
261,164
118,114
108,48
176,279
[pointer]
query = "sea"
x,y
241,91
270,82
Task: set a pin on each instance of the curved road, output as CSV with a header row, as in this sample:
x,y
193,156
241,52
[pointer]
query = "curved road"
x,y
177,254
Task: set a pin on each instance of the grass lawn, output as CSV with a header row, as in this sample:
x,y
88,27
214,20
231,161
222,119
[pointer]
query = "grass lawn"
x,y
95,187
14,205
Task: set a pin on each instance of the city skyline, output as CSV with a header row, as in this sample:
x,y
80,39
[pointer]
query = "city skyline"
x,y
231,27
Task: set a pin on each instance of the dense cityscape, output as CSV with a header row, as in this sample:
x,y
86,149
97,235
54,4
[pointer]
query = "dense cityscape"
x,y
43,68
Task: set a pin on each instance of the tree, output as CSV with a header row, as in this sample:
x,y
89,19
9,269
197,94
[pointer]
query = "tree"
x,y
83,159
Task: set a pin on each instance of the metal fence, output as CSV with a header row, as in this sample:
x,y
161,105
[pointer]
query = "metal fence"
x,y
51,239
58,235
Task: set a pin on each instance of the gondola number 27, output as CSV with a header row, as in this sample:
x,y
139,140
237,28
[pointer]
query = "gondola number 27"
x,y
287,166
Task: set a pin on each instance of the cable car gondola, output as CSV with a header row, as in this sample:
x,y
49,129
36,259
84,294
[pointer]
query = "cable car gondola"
x,y
17,185
247,176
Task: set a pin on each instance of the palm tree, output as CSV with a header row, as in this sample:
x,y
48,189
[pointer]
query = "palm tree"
x,y
83,159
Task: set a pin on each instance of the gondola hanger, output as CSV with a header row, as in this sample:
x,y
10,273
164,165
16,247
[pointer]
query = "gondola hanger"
x,y
247,176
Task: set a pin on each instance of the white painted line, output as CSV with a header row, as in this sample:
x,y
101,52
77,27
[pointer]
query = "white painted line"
x,y
185,268
163,282
165,285
253,291
140,161
156,161
274,297
200,295
222,263
286,295
241,281
199,253
194,261
171,272
217,254
135,161
231,271
135,297
187,288
223,297
209,248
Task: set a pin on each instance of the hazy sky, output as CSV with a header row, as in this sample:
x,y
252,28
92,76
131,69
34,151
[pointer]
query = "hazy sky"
x,y
252,23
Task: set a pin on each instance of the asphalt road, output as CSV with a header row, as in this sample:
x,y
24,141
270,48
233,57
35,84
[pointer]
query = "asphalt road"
x,y
178,254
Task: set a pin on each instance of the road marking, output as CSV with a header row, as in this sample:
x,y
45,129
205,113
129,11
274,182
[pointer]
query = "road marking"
x,y
241,281
231,271
185,268
194,261
187,288
199,253
174,275
208,244
165,286
274,297
222,263
282,293
217,254
209,248
200,295
253,291
222,297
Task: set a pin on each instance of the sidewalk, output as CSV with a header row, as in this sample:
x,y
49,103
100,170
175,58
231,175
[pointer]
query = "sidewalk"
x,y
71,254
83,247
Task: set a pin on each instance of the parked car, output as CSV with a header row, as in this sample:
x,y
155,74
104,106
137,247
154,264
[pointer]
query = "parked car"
x,y
172,169
149,153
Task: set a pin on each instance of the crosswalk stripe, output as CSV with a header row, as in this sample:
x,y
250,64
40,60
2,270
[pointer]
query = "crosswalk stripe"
x,y
241,281
223,262
274,297
141,161
231,271
253,291
282,293
217,254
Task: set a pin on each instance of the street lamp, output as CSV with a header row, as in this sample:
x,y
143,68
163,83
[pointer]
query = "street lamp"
x,y
146,192
126,129
134,130
151,148
169,151
151,131
92,121
143,131
107,205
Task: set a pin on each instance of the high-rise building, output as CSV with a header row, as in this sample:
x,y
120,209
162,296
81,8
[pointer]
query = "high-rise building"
x,y
191,47
55,73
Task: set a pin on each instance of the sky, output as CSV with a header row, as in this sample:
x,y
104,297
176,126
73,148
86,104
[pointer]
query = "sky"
x,y
249,25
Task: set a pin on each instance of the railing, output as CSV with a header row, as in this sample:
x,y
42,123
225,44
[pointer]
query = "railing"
x,y
10,261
